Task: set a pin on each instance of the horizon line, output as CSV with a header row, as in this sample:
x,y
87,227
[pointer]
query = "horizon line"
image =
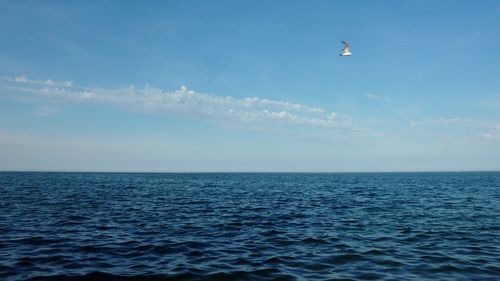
x,y
247,172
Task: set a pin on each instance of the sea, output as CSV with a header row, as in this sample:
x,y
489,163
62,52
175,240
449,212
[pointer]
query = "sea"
x,y
249,226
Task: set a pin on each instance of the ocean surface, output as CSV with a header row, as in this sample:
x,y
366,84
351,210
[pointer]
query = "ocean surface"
x,y
373,226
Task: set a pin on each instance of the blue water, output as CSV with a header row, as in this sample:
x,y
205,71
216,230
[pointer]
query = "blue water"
x,y
380,226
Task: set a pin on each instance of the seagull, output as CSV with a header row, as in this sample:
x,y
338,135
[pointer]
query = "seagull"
x,y
345,50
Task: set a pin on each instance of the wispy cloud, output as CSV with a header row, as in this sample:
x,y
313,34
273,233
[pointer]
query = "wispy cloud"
x,y
459,121
49,82
478,129
189,103
46,111
377,97
493,134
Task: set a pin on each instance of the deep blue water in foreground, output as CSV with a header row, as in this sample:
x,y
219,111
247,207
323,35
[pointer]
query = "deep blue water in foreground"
x,y
380,226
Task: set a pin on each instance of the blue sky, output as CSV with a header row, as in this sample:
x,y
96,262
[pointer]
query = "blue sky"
x,y
249,86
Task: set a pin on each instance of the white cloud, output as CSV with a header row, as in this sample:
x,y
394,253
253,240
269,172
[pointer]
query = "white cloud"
x,y
189,103
21,79
376,97
49,82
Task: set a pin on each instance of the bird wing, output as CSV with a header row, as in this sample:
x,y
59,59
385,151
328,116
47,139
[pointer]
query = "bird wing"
x,y
346,46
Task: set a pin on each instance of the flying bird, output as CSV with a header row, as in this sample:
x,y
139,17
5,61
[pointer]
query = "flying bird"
x,y
345,50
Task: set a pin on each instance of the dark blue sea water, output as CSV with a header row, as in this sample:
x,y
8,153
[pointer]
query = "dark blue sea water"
x,y
380,226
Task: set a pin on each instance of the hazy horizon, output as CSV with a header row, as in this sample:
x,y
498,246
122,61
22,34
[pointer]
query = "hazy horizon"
x,y
246,172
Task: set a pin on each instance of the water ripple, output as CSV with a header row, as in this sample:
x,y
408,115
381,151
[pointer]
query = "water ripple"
x,y
104,226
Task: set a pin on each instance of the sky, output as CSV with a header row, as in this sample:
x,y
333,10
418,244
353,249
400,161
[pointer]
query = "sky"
x,y
249,86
